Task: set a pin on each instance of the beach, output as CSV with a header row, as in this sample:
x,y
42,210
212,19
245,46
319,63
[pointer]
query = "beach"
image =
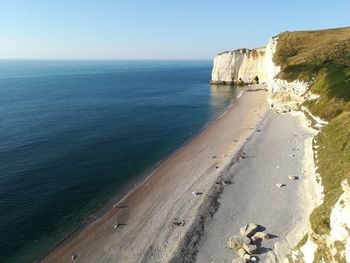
x,y
273,154
146,215
184,213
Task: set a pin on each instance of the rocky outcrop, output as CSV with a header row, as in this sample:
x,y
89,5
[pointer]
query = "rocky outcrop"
x,y
340,216
248,230
239,66
246,66
246,244
274,83
337,242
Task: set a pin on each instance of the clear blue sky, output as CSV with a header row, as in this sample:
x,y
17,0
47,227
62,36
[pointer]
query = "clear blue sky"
x,y
154,29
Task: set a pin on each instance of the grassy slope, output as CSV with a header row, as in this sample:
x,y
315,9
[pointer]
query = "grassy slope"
x,y
323,57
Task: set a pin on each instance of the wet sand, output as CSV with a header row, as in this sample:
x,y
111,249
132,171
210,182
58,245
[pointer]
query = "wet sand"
x,y
146,231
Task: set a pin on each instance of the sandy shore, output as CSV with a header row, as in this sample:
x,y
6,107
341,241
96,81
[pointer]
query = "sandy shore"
x,y
146,216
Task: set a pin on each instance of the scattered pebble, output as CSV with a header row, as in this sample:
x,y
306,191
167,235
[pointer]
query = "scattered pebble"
x,y
280,185
226,181
242,155
178,222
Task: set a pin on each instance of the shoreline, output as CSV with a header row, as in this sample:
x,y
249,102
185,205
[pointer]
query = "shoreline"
x,y
136,182
107,215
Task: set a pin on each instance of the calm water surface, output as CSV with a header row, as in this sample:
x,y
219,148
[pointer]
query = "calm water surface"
x,y
75,133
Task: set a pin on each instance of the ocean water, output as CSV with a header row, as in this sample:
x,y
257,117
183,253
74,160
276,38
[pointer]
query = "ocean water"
x,y
74,134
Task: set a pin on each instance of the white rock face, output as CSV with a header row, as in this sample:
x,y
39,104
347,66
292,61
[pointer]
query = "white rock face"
x,y
244,64
340,216
275,84
309,250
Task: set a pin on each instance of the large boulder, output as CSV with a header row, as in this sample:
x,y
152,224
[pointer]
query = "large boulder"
x,y
237,242
260,235
242,253
248,230
250,249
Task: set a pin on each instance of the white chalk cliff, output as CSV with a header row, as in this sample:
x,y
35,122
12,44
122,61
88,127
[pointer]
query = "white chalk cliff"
x,y
245,64
242,64
274,83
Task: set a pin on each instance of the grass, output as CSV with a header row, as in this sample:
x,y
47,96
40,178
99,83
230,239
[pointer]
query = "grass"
x,y
303,54
302,242
323,254
333,84
323,58
333,167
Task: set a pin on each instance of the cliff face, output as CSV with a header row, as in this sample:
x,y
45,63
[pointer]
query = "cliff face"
x,y
239,65
274,83
317,62
245,65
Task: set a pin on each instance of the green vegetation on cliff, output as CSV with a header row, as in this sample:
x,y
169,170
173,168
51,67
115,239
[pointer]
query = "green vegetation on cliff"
x,y
303,54
333,84
323,58
333,157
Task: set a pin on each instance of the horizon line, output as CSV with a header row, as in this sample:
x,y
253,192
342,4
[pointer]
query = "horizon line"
x,y
110,59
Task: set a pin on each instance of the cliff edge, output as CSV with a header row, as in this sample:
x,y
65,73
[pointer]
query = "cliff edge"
x,y
311,68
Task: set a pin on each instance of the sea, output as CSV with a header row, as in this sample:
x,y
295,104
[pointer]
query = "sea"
x,y
75,135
